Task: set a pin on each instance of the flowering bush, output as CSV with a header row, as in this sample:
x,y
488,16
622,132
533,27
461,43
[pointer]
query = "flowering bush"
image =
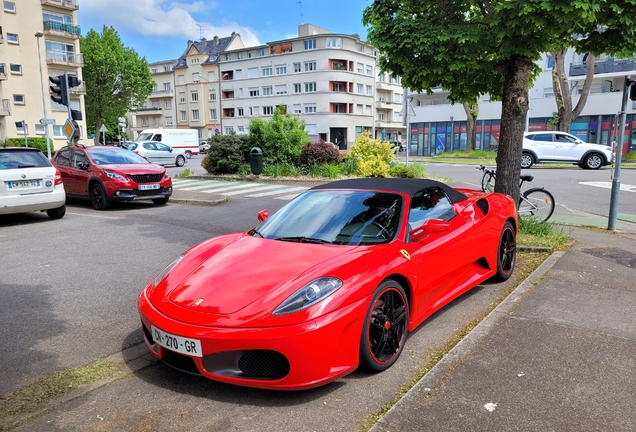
x,y
371,156
319,152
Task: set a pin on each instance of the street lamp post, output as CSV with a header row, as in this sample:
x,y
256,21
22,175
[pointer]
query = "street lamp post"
x,y
38,35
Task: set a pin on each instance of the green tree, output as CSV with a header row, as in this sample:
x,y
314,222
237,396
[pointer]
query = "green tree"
x,y
281,139
117,79
474,47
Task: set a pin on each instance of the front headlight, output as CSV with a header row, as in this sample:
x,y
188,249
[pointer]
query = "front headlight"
x,y
115,176
308,295
165,271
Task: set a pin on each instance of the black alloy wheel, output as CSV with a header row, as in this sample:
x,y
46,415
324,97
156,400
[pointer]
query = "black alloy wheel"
x,y
506,253
385,327
98,197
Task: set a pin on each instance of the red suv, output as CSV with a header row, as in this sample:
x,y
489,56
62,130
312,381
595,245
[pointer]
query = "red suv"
x,y
107,174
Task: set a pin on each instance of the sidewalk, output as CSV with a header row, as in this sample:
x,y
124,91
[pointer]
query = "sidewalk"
x,y
558,354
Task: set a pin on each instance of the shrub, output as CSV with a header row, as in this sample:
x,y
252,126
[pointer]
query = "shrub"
x,y
37,142
280,138
319,152
631,156
402,171
347,166
325,170
281,170
226,154
371,156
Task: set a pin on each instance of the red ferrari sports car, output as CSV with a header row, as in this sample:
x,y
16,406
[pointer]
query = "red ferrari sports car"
x,y
332,281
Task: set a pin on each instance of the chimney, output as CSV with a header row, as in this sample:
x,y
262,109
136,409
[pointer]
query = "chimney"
x,y
203,40
216,40
190,43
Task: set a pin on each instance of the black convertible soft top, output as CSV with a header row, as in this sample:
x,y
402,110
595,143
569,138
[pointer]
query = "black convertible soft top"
x,y
405,185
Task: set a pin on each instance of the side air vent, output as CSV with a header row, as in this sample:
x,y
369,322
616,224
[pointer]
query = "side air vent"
x,y
482,204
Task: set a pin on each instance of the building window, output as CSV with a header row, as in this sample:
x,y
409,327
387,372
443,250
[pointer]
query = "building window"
x,y
310,108
367,109
196,77
168,104
382,77
298,88
228,57
252,73
310,87
281,70
229,130
12,38
310,66
9,7
369,70
166,68
194,96
310,44
360,88
255,111
359,68
297,109
239,55
169,121
40,129
15,68
166,87
254,92
339,108
184,116
154,70
144,121
212,95
195,114
369,90
360,48
281,89
268,110
241,129
359,109
240,112
261,52
18,99
213,114
296,67
182,98
266,71
338,87
181,79
267,91
58,132
334,42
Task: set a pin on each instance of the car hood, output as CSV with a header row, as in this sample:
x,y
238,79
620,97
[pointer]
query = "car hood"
x,y
134,168
244,271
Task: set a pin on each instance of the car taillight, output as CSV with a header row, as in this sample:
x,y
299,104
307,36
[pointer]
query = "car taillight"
x,y
58,177
136,151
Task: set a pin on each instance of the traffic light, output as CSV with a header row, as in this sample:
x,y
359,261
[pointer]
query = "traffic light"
x,y
59,89
73,81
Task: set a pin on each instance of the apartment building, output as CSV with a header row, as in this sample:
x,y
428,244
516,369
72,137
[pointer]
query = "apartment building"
x,y
327,79
438,126
389,108
28,28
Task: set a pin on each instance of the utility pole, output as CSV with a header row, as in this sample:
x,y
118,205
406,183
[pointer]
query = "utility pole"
x,y
628,90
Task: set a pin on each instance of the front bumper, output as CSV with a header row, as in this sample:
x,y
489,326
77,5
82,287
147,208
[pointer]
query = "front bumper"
x,y
133,194
293,357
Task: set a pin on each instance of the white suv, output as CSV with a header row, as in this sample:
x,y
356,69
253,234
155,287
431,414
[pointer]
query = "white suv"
x,y
561,147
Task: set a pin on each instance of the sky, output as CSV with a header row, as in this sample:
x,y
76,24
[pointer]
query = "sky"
x,y
159,29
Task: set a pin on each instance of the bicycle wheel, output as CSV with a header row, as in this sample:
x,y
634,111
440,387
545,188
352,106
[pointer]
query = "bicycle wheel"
x,y
488,182
536,203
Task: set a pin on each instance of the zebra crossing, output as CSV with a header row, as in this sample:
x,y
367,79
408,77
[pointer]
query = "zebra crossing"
x,y
246,189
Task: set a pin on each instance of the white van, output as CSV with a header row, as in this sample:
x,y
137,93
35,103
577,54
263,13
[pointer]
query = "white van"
x,y
185,139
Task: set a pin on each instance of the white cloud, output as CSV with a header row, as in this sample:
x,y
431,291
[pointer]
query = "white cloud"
x,y
158,18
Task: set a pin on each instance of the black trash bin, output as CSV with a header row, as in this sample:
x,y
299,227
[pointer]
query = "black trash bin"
x,y
256,160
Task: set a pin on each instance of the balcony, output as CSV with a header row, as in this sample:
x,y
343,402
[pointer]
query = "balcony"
x,y
161,93
3,72
64,58
5,108
57,28
150,111
382,104
603,67
64,4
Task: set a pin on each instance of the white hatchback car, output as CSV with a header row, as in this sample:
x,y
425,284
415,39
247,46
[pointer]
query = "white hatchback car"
x,y
561,147
158,153
29,183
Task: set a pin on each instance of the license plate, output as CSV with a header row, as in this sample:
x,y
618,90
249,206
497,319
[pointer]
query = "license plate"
x,y
149,187
24,183
190,347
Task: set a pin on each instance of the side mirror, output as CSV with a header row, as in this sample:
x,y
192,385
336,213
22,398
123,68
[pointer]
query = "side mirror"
x,y
170,150
262,215
82,165
430,226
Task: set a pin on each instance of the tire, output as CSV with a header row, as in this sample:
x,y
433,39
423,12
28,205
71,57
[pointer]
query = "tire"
x,y
188,154
98,197
506,253
385,327
180,161
593,161
527,160
487,182
57,213
160,201
538,203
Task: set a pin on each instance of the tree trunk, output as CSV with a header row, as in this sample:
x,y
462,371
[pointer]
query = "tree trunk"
x,y
98,126
589,76
472,110
562,94
514,107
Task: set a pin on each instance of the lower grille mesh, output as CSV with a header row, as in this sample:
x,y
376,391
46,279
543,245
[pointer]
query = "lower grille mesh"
x,y
263,364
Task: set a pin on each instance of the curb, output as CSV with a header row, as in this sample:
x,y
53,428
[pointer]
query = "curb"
x,y
198,202
436,376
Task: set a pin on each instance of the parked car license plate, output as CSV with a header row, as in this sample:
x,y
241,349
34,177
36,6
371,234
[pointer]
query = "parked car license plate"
x,y
190,347
24,183
149,187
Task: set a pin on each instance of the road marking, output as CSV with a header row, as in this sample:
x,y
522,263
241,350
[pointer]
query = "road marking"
x,y
179,183
95,216
265,187
231,188
277,192
203,186
608,185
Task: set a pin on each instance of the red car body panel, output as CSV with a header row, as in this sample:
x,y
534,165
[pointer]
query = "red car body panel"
x,y
224,290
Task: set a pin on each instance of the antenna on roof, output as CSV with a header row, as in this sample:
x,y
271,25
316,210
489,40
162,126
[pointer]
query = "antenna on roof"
x,y
301,11
201,27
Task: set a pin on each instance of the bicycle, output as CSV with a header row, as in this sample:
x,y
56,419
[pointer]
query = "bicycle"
x,y
536,202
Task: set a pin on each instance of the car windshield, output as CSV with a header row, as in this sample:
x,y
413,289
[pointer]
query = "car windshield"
x,y
102,156
144,137
11,159
341,217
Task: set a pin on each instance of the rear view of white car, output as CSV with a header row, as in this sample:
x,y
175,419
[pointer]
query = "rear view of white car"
x,y
561,147
30,183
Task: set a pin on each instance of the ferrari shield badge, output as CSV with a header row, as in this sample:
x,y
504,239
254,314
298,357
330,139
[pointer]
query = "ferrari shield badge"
x,y
406,254
198,302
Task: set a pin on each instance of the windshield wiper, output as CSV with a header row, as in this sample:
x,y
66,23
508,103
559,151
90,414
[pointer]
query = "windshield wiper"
x,y
26,166
304,240
255,233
